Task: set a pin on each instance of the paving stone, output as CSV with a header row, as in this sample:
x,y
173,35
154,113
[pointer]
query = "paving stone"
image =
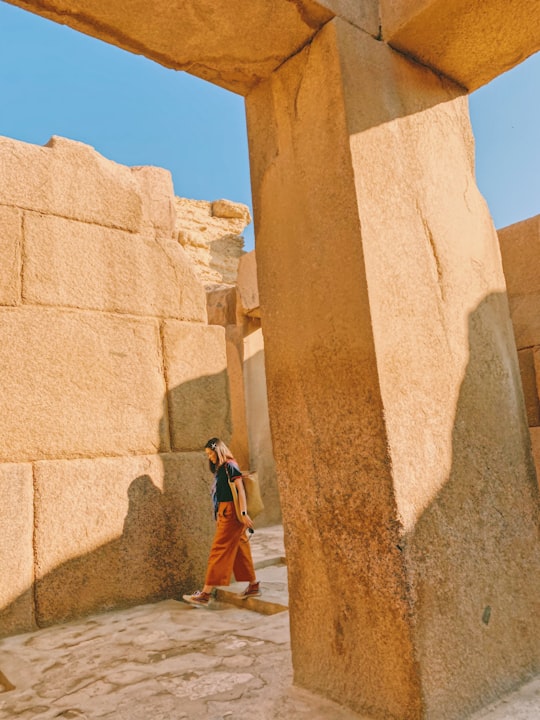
x,y
169,661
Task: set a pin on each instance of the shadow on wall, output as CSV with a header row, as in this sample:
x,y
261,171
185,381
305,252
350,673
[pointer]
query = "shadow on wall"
x,y
161,542
475,548
446,612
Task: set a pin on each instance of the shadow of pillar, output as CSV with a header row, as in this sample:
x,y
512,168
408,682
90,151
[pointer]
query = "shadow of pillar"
x,y
474,552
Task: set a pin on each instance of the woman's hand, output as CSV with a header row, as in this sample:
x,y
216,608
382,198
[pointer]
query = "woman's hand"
x,y
248,522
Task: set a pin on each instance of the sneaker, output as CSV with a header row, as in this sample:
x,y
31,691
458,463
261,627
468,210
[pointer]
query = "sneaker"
x,y
252,590
198,598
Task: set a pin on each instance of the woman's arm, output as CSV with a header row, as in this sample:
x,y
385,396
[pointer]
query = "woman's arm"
x,y
243,501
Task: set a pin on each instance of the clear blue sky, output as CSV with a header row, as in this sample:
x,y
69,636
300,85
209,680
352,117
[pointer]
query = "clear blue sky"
x,y
54,81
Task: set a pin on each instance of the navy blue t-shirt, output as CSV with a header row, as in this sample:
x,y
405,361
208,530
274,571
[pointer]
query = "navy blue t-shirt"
x,y
223,491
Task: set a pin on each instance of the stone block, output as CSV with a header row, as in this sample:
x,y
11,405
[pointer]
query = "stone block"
x,y
535,442
157,193
69,179
10,255
78,384
197,384
472,43
74,264
520,252
401,376
258,427
210,234
531,385
364,15
232,43
221,306
229,209
248,288
119,531
235,370
16,551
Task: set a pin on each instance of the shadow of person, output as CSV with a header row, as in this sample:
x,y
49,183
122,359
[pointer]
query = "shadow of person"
x,y
118,573
145,538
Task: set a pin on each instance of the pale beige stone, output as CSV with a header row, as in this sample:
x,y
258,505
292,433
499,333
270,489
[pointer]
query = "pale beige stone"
x,y
221,305
213,242
393,386
77,384
258,427
364,14
232,43
531,385
70,179
197,384
10,255
16,531
248,288
229,209
239,443
75,264
520,251
118,531
158,199
469,42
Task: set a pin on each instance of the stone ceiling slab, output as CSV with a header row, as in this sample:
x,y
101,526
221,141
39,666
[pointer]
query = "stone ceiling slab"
x,y
231,43
470,42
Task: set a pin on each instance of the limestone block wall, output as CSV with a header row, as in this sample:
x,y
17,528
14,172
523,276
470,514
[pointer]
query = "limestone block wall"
x,y
520,250
210,232
112,380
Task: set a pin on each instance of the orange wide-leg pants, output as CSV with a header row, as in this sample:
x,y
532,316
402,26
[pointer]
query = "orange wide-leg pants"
x,y
230,551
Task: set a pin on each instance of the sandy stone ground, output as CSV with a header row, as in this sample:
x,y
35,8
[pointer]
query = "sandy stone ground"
x,y
169,661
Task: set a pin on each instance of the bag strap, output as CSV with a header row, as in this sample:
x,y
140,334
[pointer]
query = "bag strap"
x,y
229,478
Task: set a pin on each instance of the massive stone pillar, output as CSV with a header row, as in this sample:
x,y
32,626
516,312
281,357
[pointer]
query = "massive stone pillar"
x,y
405,472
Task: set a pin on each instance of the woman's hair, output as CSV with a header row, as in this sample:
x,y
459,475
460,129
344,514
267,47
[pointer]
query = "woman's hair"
x,y
222,451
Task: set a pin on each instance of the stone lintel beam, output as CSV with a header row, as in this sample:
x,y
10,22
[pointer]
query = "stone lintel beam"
x,y
470,42
231,43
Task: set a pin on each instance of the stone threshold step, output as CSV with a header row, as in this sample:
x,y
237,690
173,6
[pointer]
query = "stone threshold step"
x,y
268,562
257,604
274,598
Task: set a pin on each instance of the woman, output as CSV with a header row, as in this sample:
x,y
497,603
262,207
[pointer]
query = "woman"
x,y
230,551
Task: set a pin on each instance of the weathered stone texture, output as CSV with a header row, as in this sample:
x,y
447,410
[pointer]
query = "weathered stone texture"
x,y
70,179
472,43
520,251
10,255
232,43
535,441
248,288
235,369
117,531
16,534
531,386
415,445
330,447
221,305
158,199
258,426
197,384
74,264
77,384
210,234
364,14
